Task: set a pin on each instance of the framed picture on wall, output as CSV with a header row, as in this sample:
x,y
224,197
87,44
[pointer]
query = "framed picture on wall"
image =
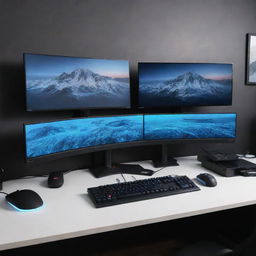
x,y
251,59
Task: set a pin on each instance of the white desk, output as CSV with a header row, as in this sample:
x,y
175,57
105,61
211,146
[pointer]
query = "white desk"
x,y
68,211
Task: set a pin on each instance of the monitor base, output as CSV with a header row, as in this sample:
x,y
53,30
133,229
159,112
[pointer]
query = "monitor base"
x,y
102,171
164,160
168,162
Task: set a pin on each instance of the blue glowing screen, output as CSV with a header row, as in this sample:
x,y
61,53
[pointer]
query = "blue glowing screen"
x,y
53,137
189,126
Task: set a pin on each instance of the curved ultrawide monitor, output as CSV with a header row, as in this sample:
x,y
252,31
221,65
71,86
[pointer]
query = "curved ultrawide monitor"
x,y
184,84
72,83
190,126
83,134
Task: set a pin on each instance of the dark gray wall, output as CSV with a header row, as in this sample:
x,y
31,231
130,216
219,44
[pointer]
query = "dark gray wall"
x,y
137,30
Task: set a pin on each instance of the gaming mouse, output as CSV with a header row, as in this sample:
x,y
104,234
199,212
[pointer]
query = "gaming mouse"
x,y
206,179
24,200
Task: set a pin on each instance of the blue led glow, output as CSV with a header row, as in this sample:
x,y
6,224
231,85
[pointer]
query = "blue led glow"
x,y
201,181
25,210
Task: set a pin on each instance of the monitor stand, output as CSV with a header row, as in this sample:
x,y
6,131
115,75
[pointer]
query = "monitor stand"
x,y
109,168
165,160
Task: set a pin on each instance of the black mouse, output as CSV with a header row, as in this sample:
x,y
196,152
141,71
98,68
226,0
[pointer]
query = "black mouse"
x,y
55,179
24,200
206,179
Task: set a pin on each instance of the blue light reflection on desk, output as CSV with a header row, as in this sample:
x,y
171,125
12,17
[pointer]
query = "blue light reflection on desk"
x,y
26,210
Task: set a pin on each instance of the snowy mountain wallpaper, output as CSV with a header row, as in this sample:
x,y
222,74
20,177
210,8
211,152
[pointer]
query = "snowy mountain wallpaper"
x,y
57,82
184,84
47,138
189,126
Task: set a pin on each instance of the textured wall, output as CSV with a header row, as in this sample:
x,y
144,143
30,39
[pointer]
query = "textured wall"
x,y
137,30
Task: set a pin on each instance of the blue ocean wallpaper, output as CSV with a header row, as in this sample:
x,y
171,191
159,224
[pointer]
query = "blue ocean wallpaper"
x,y
57,82
48,138
184,84
189,126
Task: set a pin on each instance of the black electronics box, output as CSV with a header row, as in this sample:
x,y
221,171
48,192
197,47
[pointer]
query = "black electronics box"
x,y
226,168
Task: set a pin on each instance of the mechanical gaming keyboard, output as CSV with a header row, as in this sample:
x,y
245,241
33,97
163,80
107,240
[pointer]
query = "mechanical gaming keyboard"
x,y
125,192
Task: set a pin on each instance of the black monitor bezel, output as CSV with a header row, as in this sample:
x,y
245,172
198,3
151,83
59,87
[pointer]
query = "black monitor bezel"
x,y
179,105
75,109
75,152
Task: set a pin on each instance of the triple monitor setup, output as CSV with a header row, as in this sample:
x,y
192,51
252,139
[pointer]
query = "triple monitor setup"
x,y
72,83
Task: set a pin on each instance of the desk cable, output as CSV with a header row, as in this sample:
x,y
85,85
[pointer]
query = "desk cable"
x,y
123,177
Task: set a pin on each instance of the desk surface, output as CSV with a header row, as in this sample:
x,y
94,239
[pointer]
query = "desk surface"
x,y
68,211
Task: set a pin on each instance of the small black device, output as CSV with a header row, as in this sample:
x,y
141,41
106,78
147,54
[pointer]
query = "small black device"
x,y
110,169
206,179
226,168
125,192
55,179
24,200
218,156
134,169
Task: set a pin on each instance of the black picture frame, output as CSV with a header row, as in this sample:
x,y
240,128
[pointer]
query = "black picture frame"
x,y
251,59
